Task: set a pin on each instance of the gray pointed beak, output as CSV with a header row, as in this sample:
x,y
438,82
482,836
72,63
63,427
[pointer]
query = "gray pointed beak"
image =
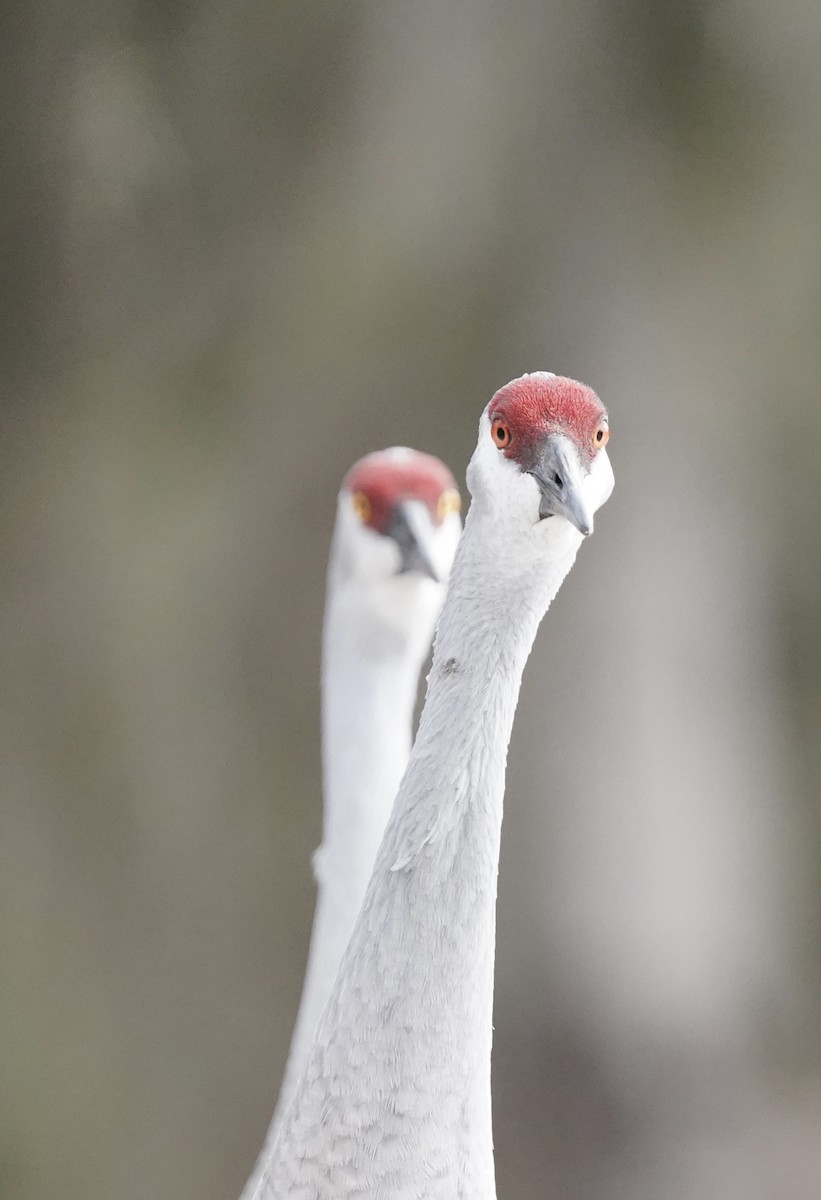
x,y
404,529
560,479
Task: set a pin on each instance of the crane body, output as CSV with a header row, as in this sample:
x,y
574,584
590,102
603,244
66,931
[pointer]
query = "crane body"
x,y
396,530
394,1102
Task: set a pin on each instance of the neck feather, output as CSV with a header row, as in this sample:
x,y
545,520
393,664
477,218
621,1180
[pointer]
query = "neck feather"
x,y
370,675
402,1055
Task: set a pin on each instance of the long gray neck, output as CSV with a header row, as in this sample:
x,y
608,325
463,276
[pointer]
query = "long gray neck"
x,y
402,1053
369,683
370,675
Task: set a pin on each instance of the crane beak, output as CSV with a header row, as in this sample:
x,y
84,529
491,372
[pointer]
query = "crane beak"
x,y
561,483
408,531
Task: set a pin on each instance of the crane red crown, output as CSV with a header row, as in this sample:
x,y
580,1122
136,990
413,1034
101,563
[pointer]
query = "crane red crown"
x,y
387,478
538,404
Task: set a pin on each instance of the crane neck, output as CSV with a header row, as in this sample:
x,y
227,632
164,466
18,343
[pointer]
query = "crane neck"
x,y
402,1051
498,595
370,676
375,639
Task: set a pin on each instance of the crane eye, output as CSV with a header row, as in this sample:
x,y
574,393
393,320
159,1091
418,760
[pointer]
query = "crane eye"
x,y
361,506
449,502
500,432
602,436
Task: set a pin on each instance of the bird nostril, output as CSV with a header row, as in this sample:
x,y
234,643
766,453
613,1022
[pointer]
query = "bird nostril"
x,y
557,479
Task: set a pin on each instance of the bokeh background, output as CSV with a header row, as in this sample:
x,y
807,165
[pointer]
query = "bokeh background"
x,y
245,243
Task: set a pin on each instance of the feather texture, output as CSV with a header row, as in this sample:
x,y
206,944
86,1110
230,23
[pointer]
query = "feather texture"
x,y
394,1102
377,632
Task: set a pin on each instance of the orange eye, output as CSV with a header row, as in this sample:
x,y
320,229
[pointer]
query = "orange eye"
x,y
500,432
602,436
361,506
449,502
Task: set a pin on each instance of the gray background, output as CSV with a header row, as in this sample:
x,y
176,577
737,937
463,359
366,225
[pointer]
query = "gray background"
x,y
245,243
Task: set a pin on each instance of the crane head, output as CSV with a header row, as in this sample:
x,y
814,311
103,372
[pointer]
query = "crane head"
x,y
542,442
400,509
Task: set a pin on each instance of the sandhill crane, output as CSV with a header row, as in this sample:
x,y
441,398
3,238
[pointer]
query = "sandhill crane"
x,y
396,530
394,1100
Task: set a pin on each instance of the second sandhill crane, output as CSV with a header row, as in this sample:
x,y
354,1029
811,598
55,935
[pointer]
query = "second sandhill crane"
x,y
394,1102
397,526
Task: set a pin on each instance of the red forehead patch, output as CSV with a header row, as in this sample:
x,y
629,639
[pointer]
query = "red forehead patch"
x,y
387,477
538,404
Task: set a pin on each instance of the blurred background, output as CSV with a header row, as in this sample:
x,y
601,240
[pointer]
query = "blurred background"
x,y
245,244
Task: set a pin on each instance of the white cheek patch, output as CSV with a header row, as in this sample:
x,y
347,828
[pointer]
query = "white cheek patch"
x,y
444,540
599,481
361,552
378,556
